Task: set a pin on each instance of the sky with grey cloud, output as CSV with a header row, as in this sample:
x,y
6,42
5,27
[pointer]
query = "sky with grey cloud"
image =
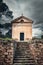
x,y
32,9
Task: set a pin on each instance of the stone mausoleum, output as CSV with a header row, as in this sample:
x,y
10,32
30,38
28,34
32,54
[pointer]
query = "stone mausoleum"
x,y
22,29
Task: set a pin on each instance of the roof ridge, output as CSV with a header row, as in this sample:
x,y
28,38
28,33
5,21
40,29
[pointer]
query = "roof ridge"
x,y
21,17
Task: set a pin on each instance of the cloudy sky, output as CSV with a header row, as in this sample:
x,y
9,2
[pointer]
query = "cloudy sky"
x,y
32,9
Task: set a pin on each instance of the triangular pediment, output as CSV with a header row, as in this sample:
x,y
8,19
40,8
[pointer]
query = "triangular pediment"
x,y
22,19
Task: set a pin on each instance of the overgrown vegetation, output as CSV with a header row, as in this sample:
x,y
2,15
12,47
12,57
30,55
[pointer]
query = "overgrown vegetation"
x,y
42,36
5,38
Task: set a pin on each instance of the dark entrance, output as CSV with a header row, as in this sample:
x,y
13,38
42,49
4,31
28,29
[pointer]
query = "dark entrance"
x,y
21,36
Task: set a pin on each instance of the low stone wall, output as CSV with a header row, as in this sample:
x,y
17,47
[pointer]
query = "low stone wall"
x,y
36,50
6,52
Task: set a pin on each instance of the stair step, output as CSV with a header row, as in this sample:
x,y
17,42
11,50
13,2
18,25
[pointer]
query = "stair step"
x,y
23,55
25,58
24,63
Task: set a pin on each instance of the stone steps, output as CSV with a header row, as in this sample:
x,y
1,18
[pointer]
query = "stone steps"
x,y
24,64
24,61
24,58
23,55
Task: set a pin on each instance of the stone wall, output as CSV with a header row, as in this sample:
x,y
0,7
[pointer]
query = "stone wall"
x,y
36,50
6,52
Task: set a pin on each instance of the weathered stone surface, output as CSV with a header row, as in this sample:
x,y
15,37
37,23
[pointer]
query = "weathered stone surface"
x,y
27,52
6,52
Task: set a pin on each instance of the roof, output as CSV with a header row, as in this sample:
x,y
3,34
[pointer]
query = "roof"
x,y
22,18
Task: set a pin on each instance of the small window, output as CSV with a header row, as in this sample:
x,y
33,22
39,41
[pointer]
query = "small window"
x,y
22,21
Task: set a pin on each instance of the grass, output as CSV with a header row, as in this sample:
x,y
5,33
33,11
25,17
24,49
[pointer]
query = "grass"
x,y
5,38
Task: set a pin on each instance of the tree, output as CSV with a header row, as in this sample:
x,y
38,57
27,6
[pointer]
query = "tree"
x,y
1,35
42,36
4,10
1,25
7,25
1,1
9,34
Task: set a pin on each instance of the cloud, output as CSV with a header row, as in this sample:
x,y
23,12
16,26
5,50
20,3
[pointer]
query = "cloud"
x,y
4,31
37,32
5,19
5,13
32,9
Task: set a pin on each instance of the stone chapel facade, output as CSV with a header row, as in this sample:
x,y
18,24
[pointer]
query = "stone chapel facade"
x,y
22,29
